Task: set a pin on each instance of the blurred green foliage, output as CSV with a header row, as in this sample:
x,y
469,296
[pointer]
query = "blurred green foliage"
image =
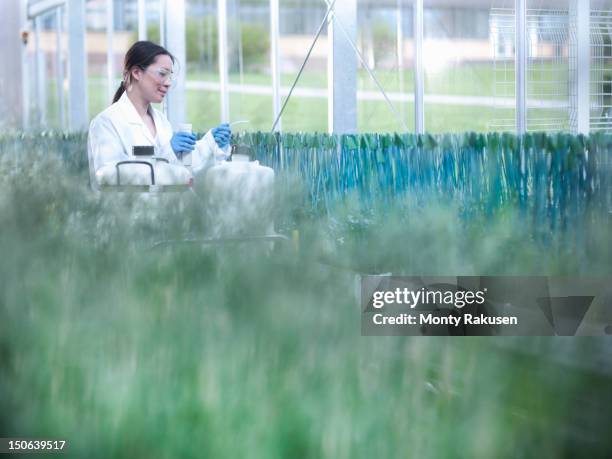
x,y
131,351
254,40
386,42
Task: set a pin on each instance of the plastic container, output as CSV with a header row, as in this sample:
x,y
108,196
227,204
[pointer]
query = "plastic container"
x,y
240,158
239,199
186,156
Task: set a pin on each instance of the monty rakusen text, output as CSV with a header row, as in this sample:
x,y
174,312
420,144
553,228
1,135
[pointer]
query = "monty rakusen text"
x,y
455,298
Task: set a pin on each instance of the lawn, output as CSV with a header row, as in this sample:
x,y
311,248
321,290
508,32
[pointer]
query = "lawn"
x,y
477,79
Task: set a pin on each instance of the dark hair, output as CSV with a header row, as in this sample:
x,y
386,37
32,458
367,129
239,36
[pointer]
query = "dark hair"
x,y
141,54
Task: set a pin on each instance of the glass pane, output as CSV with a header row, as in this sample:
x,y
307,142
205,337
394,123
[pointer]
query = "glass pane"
x,y
203,99
249,64
468,63
502,26
125,34
601,65
385,39
95,48
548,70
306,111
45,100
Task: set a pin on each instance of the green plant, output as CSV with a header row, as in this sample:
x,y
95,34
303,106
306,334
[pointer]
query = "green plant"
x,y
384,39
129,351
255,45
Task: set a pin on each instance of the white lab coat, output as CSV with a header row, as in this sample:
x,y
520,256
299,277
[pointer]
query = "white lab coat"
x,y
114,132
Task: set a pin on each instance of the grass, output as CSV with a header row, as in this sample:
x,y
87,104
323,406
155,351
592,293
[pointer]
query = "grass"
x,y
310,115
234,352
475,79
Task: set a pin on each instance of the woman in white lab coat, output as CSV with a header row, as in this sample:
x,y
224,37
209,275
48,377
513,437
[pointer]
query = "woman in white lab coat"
x,y
132,121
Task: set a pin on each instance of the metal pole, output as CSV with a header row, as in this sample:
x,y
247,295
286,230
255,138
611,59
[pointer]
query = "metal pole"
x,y
175,22
25,69
77,70
400,53
419,74
110,55
330,72
223,68
59,64
162,22
41,73
342,69
12,72
582,14
275,59
520,38
142,20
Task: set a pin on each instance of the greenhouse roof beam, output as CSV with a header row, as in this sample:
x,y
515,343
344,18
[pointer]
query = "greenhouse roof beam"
x,y
37,8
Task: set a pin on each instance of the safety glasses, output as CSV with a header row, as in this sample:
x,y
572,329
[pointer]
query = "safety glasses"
x,y
162,75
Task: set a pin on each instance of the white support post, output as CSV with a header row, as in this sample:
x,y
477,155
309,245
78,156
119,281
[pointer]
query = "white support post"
x,y
582,15
142,20
175,22
59,68
41,74
400,54
77,69
223,55
162,22
521,58
110,55
419,71
25,69
275,59
13,72
342,69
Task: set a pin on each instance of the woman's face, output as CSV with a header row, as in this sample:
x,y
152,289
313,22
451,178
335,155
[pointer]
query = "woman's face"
x,y
155,81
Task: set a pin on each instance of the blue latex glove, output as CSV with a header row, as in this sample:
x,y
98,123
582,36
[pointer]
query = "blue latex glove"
x,y
182,142
222,135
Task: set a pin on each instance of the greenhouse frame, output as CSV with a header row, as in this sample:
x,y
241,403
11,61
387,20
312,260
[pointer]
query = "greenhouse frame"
x,y
576,91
